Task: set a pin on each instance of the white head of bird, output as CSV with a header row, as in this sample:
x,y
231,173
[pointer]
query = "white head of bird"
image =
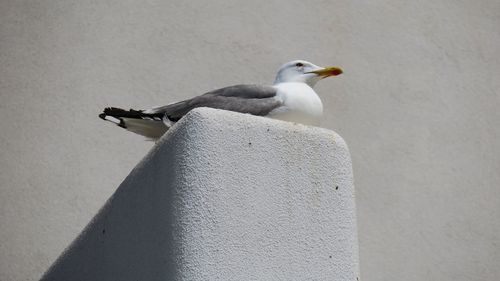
x,y
304,72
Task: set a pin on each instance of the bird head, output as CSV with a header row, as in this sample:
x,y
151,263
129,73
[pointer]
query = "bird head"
x,y
304,72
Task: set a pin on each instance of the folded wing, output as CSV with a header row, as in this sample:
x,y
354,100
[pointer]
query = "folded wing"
x,y
154,122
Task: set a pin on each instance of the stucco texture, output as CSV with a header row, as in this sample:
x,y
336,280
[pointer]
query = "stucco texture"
x,y
418,106
226,196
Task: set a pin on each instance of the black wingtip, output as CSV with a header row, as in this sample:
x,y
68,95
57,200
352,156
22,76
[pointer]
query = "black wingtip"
x,y
107,112
113,111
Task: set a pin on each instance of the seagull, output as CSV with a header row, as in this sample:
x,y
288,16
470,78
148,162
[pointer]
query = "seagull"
x,y
290,98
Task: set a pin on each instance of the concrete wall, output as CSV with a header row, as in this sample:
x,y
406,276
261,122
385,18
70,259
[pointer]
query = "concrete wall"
x,y
226,196
418,106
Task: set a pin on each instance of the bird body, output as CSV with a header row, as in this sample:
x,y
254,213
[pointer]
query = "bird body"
x,y
291,98
300,103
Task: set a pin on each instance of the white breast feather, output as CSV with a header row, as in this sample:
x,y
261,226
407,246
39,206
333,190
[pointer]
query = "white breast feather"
x,y
301,104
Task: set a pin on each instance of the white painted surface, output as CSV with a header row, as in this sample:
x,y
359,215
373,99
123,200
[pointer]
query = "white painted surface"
x,y
418,104
240,197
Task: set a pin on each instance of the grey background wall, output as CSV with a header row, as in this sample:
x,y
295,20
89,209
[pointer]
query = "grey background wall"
x,y
418,105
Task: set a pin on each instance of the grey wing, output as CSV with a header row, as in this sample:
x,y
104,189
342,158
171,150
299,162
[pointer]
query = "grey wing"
x,y
253,99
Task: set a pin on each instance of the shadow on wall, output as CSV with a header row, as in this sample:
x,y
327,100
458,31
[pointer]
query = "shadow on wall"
x,y
126,240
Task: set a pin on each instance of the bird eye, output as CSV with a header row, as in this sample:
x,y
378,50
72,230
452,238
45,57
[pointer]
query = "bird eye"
x,y
299,64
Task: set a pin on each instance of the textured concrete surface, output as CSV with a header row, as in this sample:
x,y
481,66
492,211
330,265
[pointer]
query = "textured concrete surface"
x,y
417,104
226,196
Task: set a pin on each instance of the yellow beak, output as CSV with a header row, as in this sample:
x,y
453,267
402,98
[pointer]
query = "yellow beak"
x,y
327,71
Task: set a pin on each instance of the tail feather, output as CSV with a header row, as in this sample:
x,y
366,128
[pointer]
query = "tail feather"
x,y
150,125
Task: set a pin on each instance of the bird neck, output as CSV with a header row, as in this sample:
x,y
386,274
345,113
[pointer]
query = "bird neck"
x,y
310,82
